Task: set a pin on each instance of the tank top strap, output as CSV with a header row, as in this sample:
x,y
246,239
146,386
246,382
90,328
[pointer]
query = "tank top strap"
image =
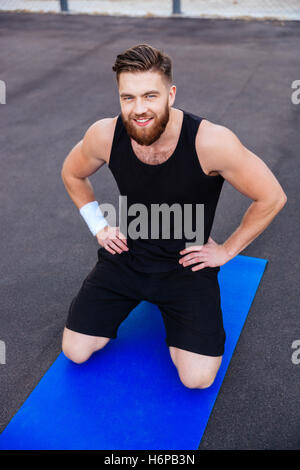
x,y
192,125
116,151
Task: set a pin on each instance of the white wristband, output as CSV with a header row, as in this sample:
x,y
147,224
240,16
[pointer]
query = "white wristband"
x,y
93,216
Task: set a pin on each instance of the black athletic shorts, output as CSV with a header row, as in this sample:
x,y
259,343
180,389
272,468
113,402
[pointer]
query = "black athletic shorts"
x,y
189,302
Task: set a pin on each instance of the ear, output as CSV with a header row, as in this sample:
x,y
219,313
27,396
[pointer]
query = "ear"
x,y
172,95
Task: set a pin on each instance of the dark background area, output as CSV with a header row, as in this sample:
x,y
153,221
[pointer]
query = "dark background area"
x,y
59,80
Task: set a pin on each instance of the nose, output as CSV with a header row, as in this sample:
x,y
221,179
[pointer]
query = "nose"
x,y
140,107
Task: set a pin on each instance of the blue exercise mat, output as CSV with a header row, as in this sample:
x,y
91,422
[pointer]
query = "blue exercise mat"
x,y
128,396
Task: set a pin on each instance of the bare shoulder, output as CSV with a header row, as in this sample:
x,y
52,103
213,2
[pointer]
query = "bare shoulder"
x,y
223,151
99,137
211,134
212,143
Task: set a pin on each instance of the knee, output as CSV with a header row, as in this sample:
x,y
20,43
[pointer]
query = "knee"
x,y
200,380
80,350
75,353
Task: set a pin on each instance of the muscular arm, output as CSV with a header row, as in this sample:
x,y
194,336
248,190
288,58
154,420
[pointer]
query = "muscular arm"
x,y
249,175
86,157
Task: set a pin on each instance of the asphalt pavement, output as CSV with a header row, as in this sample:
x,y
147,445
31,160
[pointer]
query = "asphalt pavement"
x,y
58,76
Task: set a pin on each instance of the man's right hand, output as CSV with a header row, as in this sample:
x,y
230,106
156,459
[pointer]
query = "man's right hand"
x,y
112,239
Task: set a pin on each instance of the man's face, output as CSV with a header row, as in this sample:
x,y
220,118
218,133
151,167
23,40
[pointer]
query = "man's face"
x,y
145,101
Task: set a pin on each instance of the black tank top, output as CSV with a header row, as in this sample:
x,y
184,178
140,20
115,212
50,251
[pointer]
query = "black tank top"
x,y
180,179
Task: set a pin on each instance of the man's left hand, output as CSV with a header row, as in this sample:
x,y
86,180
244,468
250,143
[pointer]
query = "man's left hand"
x,y
211,254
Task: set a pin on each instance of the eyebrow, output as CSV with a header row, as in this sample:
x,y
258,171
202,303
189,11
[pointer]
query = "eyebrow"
x,y
147,93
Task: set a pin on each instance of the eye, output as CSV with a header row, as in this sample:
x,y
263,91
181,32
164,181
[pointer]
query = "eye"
x,y
151,96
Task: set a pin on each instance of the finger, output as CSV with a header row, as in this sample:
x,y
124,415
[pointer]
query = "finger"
x,y
199,266
121,236
195,255
124,240
114,246
188,258
120,244
194,260
109,249
191,248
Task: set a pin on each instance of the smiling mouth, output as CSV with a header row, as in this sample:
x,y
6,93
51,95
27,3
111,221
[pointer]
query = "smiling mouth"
x,y
143,122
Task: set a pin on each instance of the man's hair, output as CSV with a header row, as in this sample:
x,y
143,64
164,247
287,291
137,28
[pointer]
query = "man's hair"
x,y
141,58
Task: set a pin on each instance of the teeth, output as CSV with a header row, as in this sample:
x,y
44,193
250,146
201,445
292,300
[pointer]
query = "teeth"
x,y
143,120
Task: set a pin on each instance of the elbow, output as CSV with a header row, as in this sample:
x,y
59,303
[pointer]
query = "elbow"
x,y
63,174
275,204
63,179
281,201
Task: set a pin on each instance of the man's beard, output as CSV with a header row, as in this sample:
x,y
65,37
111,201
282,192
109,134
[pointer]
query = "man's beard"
x,y
144,136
